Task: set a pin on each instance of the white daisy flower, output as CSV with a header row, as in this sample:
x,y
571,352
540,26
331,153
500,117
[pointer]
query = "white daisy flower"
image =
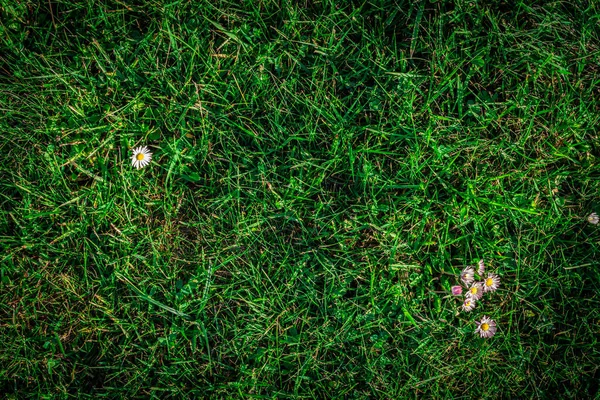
x,y
467,275
486,327
469,304
481,269
491,283
475,292
141,157
593,218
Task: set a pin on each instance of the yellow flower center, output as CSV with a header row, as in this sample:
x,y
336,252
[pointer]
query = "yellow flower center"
x,y
485,326
473,290
489,282
468,303
140,156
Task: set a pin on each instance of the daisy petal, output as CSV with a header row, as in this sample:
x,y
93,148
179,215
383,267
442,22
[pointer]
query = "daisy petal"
x,y
141,157
491,283
475,292
486,328
467,275
481,269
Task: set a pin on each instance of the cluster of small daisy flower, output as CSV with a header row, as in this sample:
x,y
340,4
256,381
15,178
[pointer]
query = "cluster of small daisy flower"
x,y
487,326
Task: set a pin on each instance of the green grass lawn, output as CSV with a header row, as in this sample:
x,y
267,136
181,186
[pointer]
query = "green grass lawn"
x,y
322,171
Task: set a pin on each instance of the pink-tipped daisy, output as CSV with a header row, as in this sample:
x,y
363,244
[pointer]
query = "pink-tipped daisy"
x,y
456,290
475,291
491,283
486,327
469,304
467,275
593,218
141,157
481,269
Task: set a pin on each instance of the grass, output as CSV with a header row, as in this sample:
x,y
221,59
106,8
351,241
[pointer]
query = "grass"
x,y
322,171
